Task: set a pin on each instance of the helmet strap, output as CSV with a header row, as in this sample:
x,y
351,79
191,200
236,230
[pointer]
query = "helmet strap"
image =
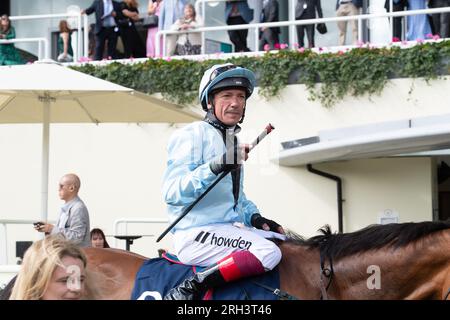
x,y
243,112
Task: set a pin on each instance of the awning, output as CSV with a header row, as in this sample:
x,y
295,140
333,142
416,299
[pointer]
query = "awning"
x,y
393,138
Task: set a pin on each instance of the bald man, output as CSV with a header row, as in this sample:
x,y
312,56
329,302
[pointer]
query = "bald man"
x,y
73,220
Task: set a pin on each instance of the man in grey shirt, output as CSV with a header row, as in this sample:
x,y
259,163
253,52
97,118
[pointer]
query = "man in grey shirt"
x,y
73,220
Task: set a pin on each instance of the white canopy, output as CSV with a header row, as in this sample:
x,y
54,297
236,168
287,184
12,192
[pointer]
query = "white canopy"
x,y
371,141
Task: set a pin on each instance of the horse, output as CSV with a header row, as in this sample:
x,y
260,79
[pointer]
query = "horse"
x,y
389,262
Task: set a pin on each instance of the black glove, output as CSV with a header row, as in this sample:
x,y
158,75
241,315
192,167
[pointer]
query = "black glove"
x,y
230,160
258,221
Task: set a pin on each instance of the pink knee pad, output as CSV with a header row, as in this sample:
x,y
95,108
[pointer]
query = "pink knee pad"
x,y
240,264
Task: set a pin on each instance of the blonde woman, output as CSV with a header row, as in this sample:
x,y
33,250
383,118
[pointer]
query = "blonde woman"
x,y
188,43
52,269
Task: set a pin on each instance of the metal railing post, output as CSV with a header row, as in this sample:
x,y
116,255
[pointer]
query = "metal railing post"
x,y
79,39
256,39
86,36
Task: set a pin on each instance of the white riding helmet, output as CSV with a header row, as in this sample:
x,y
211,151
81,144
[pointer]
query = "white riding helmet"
x,y
225,76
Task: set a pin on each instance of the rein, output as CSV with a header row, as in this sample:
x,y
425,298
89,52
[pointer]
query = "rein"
x,y
448,293
282,295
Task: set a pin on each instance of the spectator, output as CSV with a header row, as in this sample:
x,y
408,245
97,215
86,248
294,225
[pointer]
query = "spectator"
x,y
197,155
306,9
171,11
65,51
418,25
398,5
188,43
98,239
348,8
154,7
269,14
127,15
8,52
441,21
238,12
105,26
73,220
52,269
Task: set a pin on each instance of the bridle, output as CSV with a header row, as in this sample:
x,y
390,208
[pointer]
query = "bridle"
x,y
325,273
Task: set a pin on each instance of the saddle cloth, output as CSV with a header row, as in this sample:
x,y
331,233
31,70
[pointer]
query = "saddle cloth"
x,y
157,276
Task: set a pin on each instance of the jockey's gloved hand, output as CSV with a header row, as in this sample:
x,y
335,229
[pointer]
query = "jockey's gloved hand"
x,y
231,159
259,222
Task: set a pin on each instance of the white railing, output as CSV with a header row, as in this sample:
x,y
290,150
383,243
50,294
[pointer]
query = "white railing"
x,y
82,38
8,272
257,26
126,221
40,41
4,235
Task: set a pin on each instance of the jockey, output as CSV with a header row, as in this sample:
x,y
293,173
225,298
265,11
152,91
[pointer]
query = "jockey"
x,y
219,232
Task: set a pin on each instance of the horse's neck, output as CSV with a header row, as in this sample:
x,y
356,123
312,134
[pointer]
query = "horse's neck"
x,y
419,270
300,271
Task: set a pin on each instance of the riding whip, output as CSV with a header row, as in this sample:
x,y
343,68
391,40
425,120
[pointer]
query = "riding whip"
x,y
269,128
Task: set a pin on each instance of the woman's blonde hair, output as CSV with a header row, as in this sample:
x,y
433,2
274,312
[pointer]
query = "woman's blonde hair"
x,y
39,263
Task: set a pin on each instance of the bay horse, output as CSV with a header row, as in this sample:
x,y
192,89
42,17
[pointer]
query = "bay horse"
x,y
394,261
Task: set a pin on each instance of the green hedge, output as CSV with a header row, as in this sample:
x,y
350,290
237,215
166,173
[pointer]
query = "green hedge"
x,y
356,72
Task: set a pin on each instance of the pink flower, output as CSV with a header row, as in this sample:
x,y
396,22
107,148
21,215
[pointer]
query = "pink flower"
x,y
436,37
266,47
395,39
283,46
277,46
429,36
169,58
109,58
359,44
131,58
419,40
301,50
295,45
340,53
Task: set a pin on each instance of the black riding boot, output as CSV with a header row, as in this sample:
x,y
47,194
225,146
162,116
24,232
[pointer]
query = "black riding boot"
x,y
192,288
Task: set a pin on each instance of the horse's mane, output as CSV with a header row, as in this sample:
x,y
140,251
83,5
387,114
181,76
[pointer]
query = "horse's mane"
x,y
372,237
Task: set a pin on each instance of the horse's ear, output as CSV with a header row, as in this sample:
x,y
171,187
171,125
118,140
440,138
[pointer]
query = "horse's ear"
x,y
443,172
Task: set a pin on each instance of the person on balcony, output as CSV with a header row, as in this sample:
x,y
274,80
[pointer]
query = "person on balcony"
x,y
8,52
441,21
171,11
127,15
154,7
188,43
418,25
65,50
348,8
238,12
105,26
269,14
306,9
